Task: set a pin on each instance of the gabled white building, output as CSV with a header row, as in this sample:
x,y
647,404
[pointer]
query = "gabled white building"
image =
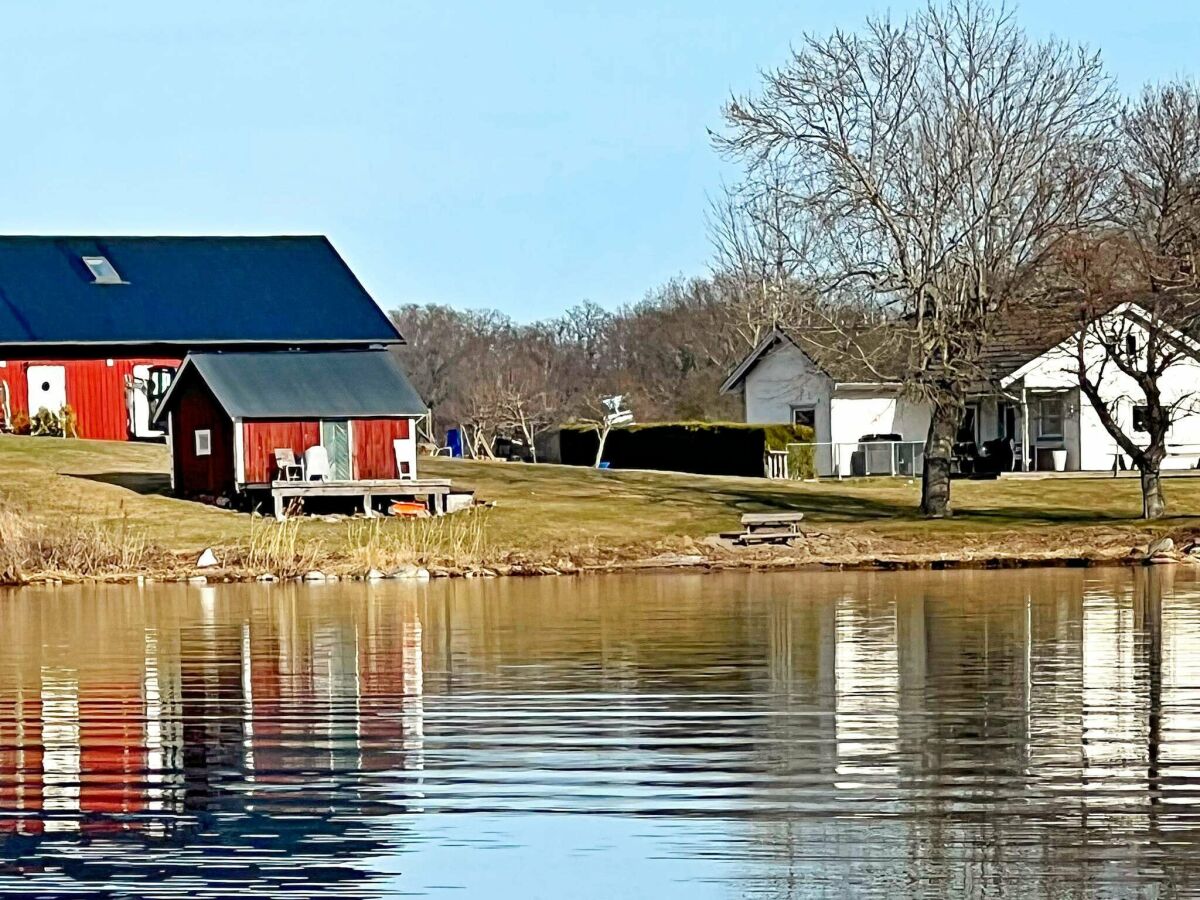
x,y
1030,399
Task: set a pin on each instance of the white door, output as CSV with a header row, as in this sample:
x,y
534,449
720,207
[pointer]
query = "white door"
x,y
143,391
47,388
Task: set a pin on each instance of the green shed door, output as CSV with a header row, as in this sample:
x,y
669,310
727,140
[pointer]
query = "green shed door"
x,y
335,438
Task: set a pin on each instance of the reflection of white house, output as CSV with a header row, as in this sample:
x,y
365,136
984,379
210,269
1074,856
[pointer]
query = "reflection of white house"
x,y
1030,396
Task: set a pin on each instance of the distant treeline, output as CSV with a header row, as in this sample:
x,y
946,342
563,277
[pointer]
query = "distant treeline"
x,y
667,355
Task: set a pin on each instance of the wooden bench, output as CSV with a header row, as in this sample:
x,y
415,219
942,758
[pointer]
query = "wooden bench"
x,y
769,528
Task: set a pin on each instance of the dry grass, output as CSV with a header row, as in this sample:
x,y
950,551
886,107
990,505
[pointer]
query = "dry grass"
x,y
296,546
74,546
542,513
457,540
280,548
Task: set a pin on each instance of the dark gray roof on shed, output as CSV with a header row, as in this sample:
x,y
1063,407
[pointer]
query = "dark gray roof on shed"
x,y
304,384
192,292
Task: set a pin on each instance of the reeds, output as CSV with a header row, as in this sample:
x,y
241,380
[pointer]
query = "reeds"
x,y
456,540
72,546
279,548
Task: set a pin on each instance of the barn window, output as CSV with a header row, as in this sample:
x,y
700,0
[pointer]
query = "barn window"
x,y
203,442
103,272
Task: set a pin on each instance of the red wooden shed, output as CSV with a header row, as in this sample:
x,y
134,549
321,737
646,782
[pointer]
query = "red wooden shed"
x,y
227,413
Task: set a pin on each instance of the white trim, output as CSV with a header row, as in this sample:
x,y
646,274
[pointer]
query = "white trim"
x,y
767,344
162,404
203,439
350,441
239,456
171,445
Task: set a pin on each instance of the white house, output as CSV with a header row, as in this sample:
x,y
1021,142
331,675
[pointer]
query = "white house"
x,y
1030,397
783,381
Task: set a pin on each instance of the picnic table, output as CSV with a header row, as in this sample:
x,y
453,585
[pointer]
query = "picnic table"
x,y
768,528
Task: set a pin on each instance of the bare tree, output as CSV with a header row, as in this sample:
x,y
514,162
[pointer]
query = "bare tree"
x,y
758,233
936,162
1159,199
1139,373
1135,361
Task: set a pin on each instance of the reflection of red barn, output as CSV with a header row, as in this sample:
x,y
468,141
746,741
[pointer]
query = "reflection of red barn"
x,y
100,324
112,752
227,414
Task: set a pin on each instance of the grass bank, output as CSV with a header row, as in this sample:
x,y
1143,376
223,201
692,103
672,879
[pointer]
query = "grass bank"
x,y
100,510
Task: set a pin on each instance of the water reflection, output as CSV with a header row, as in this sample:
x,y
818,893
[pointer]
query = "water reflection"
x,y
957,734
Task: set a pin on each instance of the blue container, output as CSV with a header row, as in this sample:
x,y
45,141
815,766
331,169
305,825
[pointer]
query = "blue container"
x,y
604,465
454,442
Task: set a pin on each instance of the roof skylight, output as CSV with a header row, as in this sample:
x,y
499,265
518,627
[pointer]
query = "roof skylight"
x,y
102,270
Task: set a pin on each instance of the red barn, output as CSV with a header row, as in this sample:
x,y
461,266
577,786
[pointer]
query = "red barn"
x,y
100,324
227,414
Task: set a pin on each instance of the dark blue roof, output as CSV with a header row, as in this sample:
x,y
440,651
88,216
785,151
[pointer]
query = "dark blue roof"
x,y
185,291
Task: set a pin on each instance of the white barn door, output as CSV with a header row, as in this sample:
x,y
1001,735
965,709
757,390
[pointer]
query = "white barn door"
x,y
47,388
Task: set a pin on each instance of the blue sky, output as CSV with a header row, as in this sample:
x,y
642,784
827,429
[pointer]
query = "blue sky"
x,y
519,155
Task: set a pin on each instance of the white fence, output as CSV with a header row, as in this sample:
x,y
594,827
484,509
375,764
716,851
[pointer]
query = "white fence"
x,y
848,459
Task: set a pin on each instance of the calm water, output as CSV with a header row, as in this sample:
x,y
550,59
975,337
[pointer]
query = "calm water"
x,y
981,734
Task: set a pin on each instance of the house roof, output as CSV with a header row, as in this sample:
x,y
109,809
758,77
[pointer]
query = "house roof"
x,y
189,291
1179,313
1027,331
843,366
302,384
1022,334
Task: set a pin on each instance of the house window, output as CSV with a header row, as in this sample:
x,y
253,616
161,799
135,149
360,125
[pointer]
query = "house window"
x,y
804,415
1141,418
1050,417
102,270
203,442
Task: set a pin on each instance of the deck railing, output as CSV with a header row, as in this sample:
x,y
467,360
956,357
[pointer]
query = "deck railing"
x,y
843,459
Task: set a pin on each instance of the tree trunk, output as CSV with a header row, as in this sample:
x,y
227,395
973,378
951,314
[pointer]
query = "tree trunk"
x,y
1154,505
944,421
602,434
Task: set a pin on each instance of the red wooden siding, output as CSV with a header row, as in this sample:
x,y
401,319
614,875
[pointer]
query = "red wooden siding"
x,y
261,439
195,408
374,456
95,390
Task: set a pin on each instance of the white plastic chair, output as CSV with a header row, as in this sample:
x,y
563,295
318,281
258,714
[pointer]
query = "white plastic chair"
x,y
316,464
406,459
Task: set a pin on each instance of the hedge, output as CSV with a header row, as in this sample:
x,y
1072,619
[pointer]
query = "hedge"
x,y
702,448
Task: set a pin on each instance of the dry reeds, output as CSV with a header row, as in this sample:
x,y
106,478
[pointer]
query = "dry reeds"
x,y
458,540
73,546
279,548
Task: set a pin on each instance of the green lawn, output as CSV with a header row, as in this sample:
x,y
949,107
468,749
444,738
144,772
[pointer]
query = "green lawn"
x,y
541,508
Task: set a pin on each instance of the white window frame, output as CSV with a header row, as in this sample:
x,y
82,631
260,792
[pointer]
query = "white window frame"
x,y
103,271
203,437
805,407
1061,400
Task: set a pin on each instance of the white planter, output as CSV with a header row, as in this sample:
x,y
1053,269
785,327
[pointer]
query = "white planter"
x,y
1060,460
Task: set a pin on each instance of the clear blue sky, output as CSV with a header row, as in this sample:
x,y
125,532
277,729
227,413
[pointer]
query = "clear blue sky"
x,y
517,155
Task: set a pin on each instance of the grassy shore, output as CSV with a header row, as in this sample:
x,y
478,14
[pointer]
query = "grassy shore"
x,y
54,490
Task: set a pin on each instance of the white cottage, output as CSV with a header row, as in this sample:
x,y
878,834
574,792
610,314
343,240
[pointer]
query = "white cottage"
x,y
1030,398
783,381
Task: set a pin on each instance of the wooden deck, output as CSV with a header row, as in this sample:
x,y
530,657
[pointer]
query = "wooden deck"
x,y
433,490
